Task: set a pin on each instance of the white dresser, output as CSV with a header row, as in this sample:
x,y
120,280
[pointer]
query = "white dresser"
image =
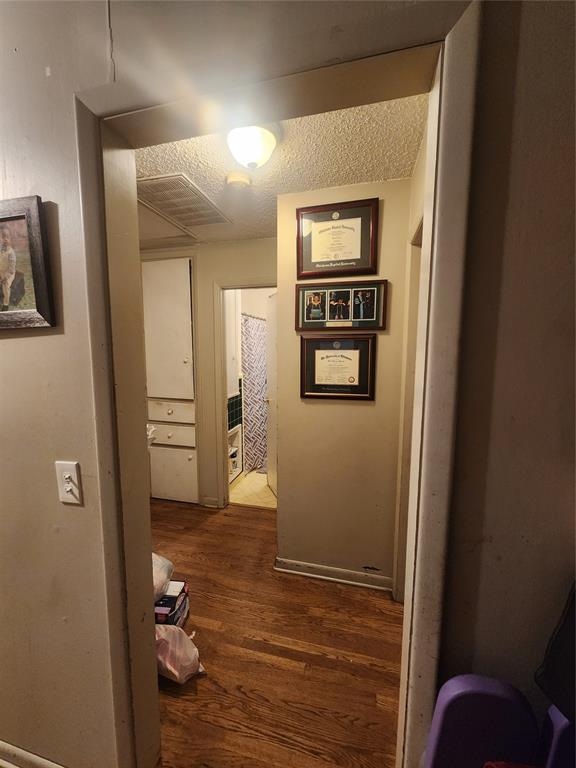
x,y
170,378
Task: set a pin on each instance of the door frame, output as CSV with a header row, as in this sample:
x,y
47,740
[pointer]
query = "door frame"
x,y
433,431
444,238
219,362
272,403
222,403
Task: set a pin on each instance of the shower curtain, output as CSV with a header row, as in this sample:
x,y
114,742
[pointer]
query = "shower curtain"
x,y
253,341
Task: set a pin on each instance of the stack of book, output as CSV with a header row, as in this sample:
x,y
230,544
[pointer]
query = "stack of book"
x,y
172,608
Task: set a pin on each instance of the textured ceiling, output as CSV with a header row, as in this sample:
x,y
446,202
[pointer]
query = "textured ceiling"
x,y
370,143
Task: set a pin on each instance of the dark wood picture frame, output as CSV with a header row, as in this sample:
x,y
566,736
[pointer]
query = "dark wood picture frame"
x,y
313,385
336,307
25,289
355,252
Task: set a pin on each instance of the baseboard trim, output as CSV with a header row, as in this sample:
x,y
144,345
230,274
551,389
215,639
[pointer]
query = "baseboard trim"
x,y
208,501
326,572
14,757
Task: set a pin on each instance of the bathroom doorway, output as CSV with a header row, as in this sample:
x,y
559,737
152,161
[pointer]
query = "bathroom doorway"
x,y
250,332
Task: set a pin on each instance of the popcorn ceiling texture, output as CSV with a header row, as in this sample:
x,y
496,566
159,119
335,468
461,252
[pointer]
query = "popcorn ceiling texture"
x,y
369,143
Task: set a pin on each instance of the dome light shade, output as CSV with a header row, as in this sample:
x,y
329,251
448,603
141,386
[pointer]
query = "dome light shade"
x,y
251,146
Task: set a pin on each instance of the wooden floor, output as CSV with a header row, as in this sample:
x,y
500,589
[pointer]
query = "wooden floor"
x,y
301,673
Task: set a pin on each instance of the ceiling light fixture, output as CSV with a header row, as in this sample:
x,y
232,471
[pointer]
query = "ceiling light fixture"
x,y
238,179
252,145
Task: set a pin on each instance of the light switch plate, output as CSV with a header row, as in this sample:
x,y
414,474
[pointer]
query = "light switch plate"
x,y
69,482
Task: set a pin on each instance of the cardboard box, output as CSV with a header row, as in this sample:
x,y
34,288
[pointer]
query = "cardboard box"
x,y
173,607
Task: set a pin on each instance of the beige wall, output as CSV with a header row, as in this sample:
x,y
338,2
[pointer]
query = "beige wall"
x,y
410,325
511,543
511,551
62,625
417,191
127,327
236,264
337,461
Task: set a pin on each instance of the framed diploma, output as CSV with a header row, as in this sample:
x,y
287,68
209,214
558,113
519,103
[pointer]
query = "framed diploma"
x,y
338,367
341,306
337,239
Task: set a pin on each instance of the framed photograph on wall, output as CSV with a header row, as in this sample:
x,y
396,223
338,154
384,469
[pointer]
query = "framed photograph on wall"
x,y
337,240
327,306
338,367
25,295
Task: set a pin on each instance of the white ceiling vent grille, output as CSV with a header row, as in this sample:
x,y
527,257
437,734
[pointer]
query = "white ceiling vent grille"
x,y
179,201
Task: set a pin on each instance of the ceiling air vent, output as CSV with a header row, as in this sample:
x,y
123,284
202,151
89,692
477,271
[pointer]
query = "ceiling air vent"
x,y
179,201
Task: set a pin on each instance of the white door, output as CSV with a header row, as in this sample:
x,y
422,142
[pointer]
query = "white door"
x,y
168,329
272,397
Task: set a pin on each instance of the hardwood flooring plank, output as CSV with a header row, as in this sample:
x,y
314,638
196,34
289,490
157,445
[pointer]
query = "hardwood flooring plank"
x,y
301,673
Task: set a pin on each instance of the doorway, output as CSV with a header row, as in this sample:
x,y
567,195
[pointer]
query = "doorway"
x,y
250,343
418,648
356,556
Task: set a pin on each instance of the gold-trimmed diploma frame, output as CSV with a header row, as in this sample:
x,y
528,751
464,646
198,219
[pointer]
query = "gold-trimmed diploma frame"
x,y
357,306
337,367
25,291
337,240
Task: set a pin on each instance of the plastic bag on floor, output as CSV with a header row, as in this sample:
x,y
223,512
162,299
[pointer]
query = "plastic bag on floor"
x,y
176,654
162,570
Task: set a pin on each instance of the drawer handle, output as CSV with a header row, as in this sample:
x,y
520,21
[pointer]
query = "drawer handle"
x,y
186,360
170,411
190,457
169,435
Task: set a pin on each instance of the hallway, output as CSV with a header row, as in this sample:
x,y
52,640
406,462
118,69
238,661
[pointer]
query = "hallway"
x,y
301,673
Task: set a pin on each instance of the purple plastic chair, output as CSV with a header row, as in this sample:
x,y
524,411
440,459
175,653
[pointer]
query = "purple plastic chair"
x,y
478,719
557,746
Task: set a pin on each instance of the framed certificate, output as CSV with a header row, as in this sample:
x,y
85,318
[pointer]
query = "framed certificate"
x,y
337,239
341,306
338,367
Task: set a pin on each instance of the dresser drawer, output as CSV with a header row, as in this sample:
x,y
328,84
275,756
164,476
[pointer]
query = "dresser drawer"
x,y
172,410
173,473
174,434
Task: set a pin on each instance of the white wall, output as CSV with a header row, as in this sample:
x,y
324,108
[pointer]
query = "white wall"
x,y
254,301
217,266
337,461
232,340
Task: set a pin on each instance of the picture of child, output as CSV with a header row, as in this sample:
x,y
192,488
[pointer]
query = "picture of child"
x,y
7,266
16,279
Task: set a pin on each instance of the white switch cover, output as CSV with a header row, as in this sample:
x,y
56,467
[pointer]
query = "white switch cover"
x,y
69,482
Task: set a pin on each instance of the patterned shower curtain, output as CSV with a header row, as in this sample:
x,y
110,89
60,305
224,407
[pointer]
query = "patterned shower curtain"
x,y
254,391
